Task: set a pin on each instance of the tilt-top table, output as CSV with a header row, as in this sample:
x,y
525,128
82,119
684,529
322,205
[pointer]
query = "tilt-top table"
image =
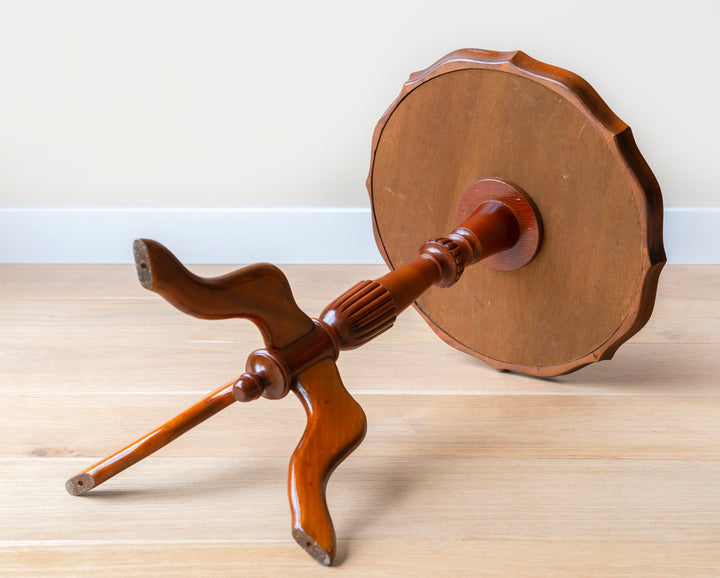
x,y
514,211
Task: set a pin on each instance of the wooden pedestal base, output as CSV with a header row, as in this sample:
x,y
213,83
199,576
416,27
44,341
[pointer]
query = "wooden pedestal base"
x,y
300,352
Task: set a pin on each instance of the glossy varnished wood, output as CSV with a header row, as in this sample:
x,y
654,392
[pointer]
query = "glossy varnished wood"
x,y
490,192
258,292
610,471
300,356
152,442
478,114
301,352
496,220
336,425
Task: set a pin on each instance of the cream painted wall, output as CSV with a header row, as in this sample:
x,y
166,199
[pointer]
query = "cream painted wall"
x,y
272,104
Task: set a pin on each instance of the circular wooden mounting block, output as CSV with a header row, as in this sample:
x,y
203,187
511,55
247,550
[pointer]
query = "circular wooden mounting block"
x,y
522,207
477,115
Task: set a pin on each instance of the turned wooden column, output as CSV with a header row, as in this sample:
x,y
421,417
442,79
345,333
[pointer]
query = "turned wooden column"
x,y
501,220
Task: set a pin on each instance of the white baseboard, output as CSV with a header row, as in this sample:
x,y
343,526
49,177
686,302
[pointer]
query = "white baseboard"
x,y
306,235
692,235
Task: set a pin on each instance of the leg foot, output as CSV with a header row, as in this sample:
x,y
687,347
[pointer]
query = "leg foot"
x,y
80,484
315,550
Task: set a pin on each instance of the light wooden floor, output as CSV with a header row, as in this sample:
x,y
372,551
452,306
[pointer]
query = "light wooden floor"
x,y
611,471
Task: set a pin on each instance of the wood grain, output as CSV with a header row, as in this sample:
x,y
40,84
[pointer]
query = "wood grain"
x,y
377,499
301,352
480,114
583,425
336,426
430,557
611,471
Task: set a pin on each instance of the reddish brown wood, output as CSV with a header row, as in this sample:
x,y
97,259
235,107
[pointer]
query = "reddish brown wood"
x,y
305,363
476,115
360,314
335,427
248,387
152,442
275,369
526,215
258,292
496,223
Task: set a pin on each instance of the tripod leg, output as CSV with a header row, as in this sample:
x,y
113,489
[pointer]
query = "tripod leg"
x,y
156,439
335,427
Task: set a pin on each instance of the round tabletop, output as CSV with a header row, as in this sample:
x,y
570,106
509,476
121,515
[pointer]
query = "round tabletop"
x,y
478,115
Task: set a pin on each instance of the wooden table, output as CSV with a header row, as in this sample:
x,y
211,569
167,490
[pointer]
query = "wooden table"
x,y
611,471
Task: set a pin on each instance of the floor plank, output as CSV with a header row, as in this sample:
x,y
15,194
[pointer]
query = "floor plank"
x,y
454,498
465,471
547,426
368,558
